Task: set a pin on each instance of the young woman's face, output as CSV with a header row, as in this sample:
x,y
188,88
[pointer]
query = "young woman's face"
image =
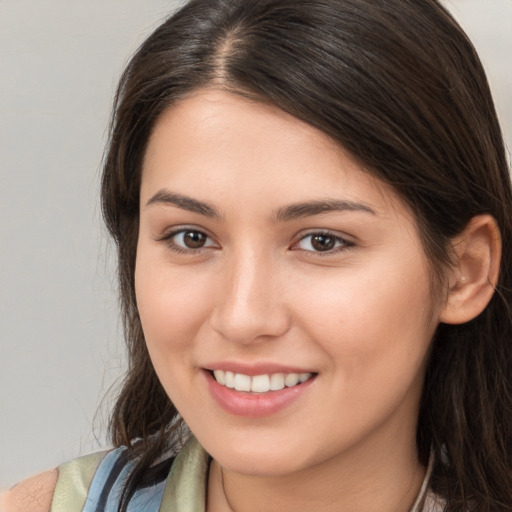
x,y
268,257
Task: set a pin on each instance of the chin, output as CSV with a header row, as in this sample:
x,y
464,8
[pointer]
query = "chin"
x,y
260,466
258,459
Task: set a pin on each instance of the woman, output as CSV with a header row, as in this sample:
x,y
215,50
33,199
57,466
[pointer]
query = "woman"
x,y
312,208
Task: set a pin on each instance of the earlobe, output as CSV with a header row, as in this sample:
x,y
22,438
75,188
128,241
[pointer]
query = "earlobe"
x,y
477,254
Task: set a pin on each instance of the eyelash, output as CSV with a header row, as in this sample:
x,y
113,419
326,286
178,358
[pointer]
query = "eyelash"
x,y
168,239
341,244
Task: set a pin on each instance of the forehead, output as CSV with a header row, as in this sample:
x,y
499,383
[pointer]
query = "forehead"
x,y
218,120
217,143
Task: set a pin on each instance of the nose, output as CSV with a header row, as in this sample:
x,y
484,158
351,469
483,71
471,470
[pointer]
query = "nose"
x,y
250,304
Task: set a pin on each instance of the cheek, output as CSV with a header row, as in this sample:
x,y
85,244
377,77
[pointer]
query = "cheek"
x,y
172,304
373,318
376,331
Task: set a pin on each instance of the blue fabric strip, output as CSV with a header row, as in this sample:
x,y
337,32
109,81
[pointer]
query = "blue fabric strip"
x,y
103,472
108,482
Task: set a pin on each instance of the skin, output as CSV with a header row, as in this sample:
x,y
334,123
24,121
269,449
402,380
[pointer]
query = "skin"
x,y
360,316
34,494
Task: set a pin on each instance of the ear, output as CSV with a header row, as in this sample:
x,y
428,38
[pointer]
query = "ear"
x,y
472,279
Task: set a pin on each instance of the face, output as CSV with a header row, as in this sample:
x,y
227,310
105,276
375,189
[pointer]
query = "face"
x,y
284,293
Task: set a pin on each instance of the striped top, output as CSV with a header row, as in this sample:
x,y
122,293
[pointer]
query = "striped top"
x,y
94,484
105,490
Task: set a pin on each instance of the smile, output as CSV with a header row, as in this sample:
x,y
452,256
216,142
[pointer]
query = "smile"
x,y
259,383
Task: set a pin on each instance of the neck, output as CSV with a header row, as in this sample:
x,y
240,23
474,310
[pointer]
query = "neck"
x,y
380,482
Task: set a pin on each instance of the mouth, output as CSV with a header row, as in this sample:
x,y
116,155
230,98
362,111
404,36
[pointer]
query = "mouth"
x,y
255,394
265,383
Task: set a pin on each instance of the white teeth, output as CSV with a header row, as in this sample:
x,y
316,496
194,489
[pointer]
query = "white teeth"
x,y
220,377
291,379
260,383
277,381
230,379
242,382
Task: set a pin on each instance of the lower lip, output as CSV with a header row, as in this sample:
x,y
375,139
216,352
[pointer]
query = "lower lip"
x,y
255,405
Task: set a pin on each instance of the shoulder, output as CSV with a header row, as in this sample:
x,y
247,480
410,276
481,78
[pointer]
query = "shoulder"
x,y
61,489
32,495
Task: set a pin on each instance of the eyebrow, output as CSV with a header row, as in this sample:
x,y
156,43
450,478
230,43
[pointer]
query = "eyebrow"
x,y
185,203
310,208
286,213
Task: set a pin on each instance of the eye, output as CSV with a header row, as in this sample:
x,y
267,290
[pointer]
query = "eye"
x,y
322,242
185,240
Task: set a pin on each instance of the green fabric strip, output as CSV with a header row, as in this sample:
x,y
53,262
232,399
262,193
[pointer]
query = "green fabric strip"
x,y
73,483
185,489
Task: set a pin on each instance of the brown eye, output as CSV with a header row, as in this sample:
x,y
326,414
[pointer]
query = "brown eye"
x,y
189,239
194,239
323,242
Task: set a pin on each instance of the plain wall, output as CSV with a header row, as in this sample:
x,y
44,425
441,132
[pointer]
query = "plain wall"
x,y
61,347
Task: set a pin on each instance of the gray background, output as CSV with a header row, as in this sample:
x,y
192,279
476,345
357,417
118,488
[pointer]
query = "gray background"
x,y
61,348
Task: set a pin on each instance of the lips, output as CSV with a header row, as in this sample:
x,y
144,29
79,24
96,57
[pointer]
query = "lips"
x,y
257,391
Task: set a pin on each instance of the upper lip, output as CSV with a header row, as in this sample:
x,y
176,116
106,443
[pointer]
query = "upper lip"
x,y
256,368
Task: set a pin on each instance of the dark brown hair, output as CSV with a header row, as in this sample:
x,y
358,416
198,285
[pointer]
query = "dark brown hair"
x,y
396,83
